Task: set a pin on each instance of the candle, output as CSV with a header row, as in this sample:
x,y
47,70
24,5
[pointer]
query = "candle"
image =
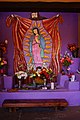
x,y
52,85
73,78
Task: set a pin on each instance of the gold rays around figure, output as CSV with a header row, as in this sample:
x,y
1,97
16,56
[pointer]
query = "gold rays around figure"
x,y
43,33
28,36
34,24
26,44
26,41
48,42
28,54
46,51
26,50
30,31
30,60
46,56
46,61
47,38
48,47
39,24
42,29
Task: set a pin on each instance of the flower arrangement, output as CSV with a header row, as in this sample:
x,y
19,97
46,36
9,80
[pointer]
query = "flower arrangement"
x,y
74,49
3,46
40,74
71,76
2,64
66,60
21,74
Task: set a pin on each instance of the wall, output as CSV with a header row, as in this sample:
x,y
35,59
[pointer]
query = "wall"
x,y
68,31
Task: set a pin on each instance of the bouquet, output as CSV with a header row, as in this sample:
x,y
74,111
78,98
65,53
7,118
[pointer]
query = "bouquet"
x,y
2,62
21,74
74,49
40,74
66,60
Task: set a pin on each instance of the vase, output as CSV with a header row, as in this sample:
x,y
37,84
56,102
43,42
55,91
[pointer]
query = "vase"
x,y
44,82
19,84
65,69
75,53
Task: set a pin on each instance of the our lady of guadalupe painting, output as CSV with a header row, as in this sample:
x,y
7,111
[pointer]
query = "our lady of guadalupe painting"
x,y
36,41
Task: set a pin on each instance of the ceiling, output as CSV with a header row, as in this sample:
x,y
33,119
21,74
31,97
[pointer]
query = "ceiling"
x,y
39,0
40,5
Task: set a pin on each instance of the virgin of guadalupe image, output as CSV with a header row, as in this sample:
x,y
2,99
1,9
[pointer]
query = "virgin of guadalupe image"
x,y
37,46
36,40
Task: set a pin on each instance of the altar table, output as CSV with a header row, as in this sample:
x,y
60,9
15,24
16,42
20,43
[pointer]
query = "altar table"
x,y
73,97
72,85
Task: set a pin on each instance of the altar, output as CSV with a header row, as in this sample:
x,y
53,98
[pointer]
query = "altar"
x,y
65,89
62,92
43,94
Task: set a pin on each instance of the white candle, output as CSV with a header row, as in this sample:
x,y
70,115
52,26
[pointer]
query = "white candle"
x,y
73,78
52,85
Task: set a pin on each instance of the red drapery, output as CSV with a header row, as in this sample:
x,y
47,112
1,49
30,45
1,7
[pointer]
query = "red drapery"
x,y
51,25
19,28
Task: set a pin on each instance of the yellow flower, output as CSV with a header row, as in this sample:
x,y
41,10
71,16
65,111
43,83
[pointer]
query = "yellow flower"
x,y
50,69
2,63
0,59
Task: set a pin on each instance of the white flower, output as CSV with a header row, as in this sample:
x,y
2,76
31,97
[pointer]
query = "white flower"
x,y
19,77
21,74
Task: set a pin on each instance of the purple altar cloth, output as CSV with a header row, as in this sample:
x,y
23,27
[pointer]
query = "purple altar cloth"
x,y
72,85
77,77
8,82
62,79
73,97
1,82
74,67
